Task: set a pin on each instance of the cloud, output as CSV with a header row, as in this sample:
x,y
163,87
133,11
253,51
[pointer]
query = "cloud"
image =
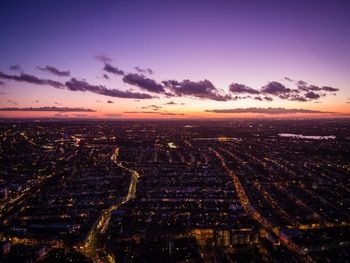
x,y
244,97
267,98
240,88
143,82
2,83
56,109
312,95
293,97
172,88
330,89
103,58
152,107
172,113
32,80
271,111
109,101
202,89
81,85
54,71
170,103
275,88
303,85
144,70
154,112
114,70
16,68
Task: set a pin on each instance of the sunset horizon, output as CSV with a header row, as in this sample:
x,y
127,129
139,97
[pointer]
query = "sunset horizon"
x,y
178,60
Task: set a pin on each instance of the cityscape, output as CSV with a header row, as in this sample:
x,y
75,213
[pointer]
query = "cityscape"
x,y
179,131
175,191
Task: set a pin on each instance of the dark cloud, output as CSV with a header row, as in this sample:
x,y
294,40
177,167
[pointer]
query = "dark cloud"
x,y
16,68
143,82
56,109
240,88
144,70
2,83
81,85
312,95
103,58
172,113
202,89
330,89
170,103
303,85
114,70
153,112
242,97
32,79
109,101
293,97
172,88
275,88
312,92
152,107
55,71
308,87
313,88
271,111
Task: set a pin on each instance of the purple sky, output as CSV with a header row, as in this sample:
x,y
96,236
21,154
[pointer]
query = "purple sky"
x,y
253,43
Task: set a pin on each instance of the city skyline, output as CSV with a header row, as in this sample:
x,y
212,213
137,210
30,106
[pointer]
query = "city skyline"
x,y
182,59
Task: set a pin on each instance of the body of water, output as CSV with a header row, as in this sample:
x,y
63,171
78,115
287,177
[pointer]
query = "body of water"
x,y
300,136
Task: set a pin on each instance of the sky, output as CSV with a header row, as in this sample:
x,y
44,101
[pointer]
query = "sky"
x,y
174,59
